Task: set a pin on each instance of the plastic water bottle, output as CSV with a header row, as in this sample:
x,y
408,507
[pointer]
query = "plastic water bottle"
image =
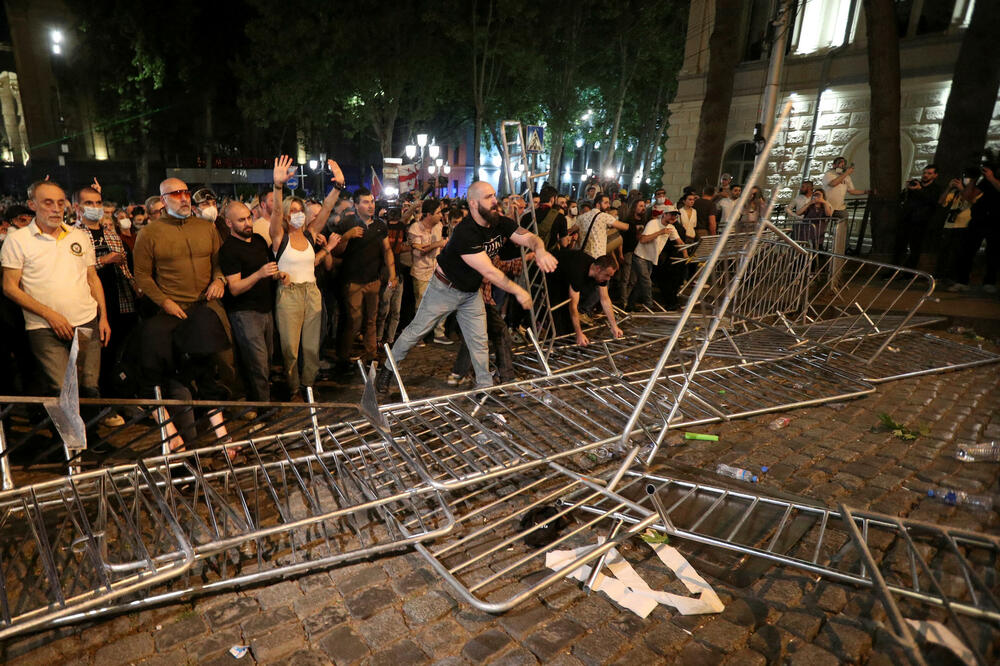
x,y
779,423
736,473
956,497
984,452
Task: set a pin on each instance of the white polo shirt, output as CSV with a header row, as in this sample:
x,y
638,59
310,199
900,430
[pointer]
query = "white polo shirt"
x,y
53,271
651,251
836,194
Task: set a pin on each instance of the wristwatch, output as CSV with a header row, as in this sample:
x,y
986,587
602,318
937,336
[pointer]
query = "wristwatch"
x,y
338,186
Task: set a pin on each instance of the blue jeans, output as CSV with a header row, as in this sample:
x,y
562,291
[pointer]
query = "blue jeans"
x,y
438,302
389,303
642,270
253,333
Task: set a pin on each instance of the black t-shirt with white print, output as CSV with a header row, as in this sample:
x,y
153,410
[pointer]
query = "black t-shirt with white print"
x,y
471,238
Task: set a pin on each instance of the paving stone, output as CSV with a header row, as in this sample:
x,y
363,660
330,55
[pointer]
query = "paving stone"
x,y
360,579
308,604
324,620
811,655
598,647
745,657
451,661
846,642
723,635
666,638
265,621
428,607
747,612
284,593
402,653
306,657
782,591
805,625
178,632
384,628
369,602
473,620
485,645
771,642
442,638
125,650
832,598
699,654
279,643
234,610
526,618
343,645
316,581
518,657
215,644
172,658
553,638
412,581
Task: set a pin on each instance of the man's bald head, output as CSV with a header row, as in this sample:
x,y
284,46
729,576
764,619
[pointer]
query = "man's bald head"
x,y
239,219
483,203
176,198
480,190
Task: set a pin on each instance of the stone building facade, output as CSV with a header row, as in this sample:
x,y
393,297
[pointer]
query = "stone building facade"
x,y
824,69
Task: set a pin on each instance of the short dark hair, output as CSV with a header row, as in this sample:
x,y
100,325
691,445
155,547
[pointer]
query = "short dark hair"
x,y
708,191
14,211
429,206
138,210
599,196
80,192
606,262
931,166
547,194
360,192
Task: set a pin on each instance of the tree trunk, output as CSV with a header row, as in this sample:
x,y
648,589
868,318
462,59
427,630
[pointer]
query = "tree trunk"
x,y
974,88
477,141
555,157
723,58
884,146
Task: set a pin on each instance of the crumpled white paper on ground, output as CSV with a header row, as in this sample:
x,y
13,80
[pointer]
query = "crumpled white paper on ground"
x,y
935,632
629,590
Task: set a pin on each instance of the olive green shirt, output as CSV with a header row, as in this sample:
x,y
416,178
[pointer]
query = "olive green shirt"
x,y
177,259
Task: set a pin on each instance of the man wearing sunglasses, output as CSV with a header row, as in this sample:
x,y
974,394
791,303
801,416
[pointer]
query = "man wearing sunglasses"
x,y
177,259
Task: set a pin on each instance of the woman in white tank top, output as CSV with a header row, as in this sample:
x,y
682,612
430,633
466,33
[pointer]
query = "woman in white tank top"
x,y
298,306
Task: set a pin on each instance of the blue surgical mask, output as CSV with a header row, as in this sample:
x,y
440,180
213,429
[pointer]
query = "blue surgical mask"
x,y
93,213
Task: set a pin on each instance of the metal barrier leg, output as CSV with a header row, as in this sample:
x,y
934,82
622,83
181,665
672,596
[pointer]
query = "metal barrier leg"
x,y
315,421
6,482
395,371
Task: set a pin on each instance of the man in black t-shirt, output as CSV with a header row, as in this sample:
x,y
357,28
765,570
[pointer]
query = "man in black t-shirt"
x,y
364,244
461,267
706,209
552,226
578,276
248,264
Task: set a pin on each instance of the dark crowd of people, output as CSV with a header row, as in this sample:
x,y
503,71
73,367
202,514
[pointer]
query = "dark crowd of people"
x,y
204,297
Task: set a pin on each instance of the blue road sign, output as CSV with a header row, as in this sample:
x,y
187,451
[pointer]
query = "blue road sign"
x,y
535,138
293,183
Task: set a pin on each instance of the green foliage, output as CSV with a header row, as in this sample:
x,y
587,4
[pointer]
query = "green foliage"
x,y
888,424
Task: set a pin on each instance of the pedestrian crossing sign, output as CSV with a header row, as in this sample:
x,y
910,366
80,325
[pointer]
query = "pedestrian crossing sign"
x,y
535,135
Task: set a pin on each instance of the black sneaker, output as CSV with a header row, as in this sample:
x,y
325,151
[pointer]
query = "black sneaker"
x,y
383,379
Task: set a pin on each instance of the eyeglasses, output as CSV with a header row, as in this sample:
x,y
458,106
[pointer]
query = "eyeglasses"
x,y
179,194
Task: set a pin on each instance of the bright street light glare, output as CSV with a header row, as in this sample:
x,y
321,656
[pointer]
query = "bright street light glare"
x,y
579,143
597,144
421,140
313,164
56,49
433,150
609,173
410,151
56,36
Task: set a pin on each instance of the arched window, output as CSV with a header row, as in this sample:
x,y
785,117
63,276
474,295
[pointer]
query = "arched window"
x,y
738,161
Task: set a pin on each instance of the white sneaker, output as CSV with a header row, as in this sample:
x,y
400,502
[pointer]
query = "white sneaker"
x,y
454,379
990,288
442,340
113,421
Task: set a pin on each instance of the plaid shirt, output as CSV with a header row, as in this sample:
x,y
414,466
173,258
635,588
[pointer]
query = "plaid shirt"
x,y
127,289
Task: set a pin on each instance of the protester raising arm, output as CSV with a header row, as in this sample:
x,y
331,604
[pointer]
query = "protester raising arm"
x,y
281,176
337,178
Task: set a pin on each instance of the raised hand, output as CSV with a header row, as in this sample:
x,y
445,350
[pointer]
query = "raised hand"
x,y
281,166
337,174
96,185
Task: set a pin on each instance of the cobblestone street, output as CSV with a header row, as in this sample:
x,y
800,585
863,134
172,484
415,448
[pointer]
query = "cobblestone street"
x,y
395,610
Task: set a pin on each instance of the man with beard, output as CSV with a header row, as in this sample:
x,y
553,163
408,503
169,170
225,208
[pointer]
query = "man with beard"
x,y
248,264
461,267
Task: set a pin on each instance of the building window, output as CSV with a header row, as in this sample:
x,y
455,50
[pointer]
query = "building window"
x,y
738,161
823,25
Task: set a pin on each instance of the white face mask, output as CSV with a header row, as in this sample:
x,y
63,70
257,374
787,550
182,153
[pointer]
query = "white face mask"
x,y
93,213
661,200
297,220
125,224
573,210
208,213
